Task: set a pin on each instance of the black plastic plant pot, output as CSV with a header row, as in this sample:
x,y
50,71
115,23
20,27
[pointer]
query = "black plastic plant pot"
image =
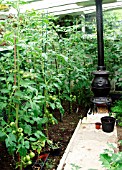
x,y
108,124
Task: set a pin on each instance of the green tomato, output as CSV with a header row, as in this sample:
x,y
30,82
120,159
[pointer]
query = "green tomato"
x,y
13,131
12,124
50,115
50,97
54,98
29,162
14,71
53,122
20,130
32,154
21,134
27,157
21,72
24,159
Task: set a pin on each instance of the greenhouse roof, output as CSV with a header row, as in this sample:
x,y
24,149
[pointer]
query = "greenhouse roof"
x,y
62,7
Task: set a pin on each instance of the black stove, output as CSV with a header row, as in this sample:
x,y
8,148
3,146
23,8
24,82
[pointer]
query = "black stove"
x,y
100,84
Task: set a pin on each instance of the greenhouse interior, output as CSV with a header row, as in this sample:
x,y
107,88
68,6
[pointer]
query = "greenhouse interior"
x,y
61,85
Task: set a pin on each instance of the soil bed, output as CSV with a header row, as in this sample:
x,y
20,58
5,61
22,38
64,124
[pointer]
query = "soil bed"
x,y
62,133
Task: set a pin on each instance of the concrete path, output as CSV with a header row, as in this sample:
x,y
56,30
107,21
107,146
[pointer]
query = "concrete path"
x,y
86,144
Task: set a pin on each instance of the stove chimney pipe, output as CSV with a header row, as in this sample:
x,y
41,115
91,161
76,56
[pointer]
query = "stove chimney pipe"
x,y
100,42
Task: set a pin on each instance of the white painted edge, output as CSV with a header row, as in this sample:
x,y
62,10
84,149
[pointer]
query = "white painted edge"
x,y
62,161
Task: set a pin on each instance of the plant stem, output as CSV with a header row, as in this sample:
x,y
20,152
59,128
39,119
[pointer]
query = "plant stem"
x,y
70,102
15,60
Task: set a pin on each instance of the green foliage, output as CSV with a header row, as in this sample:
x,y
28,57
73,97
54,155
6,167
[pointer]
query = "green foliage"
x,y
111,160
117,109
113,44
75,167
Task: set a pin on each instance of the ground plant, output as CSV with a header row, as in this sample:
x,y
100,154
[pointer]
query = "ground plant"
x,y
117,111
110,159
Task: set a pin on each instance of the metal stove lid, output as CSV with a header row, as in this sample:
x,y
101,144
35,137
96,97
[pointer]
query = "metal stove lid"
x,y
101,72
101,100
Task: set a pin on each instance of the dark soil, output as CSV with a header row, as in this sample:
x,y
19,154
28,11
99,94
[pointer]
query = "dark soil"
x,y
5,160
61,133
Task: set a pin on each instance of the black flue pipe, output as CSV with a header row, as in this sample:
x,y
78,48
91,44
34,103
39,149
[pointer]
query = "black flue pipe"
x,y
100,42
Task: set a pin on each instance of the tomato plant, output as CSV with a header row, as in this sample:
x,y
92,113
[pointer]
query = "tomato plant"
x,y
110,159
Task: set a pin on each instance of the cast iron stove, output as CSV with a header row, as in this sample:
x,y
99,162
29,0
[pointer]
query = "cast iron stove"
x,y
100,84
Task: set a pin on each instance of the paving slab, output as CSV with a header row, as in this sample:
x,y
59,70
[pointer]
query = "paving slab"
x,y
86,144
